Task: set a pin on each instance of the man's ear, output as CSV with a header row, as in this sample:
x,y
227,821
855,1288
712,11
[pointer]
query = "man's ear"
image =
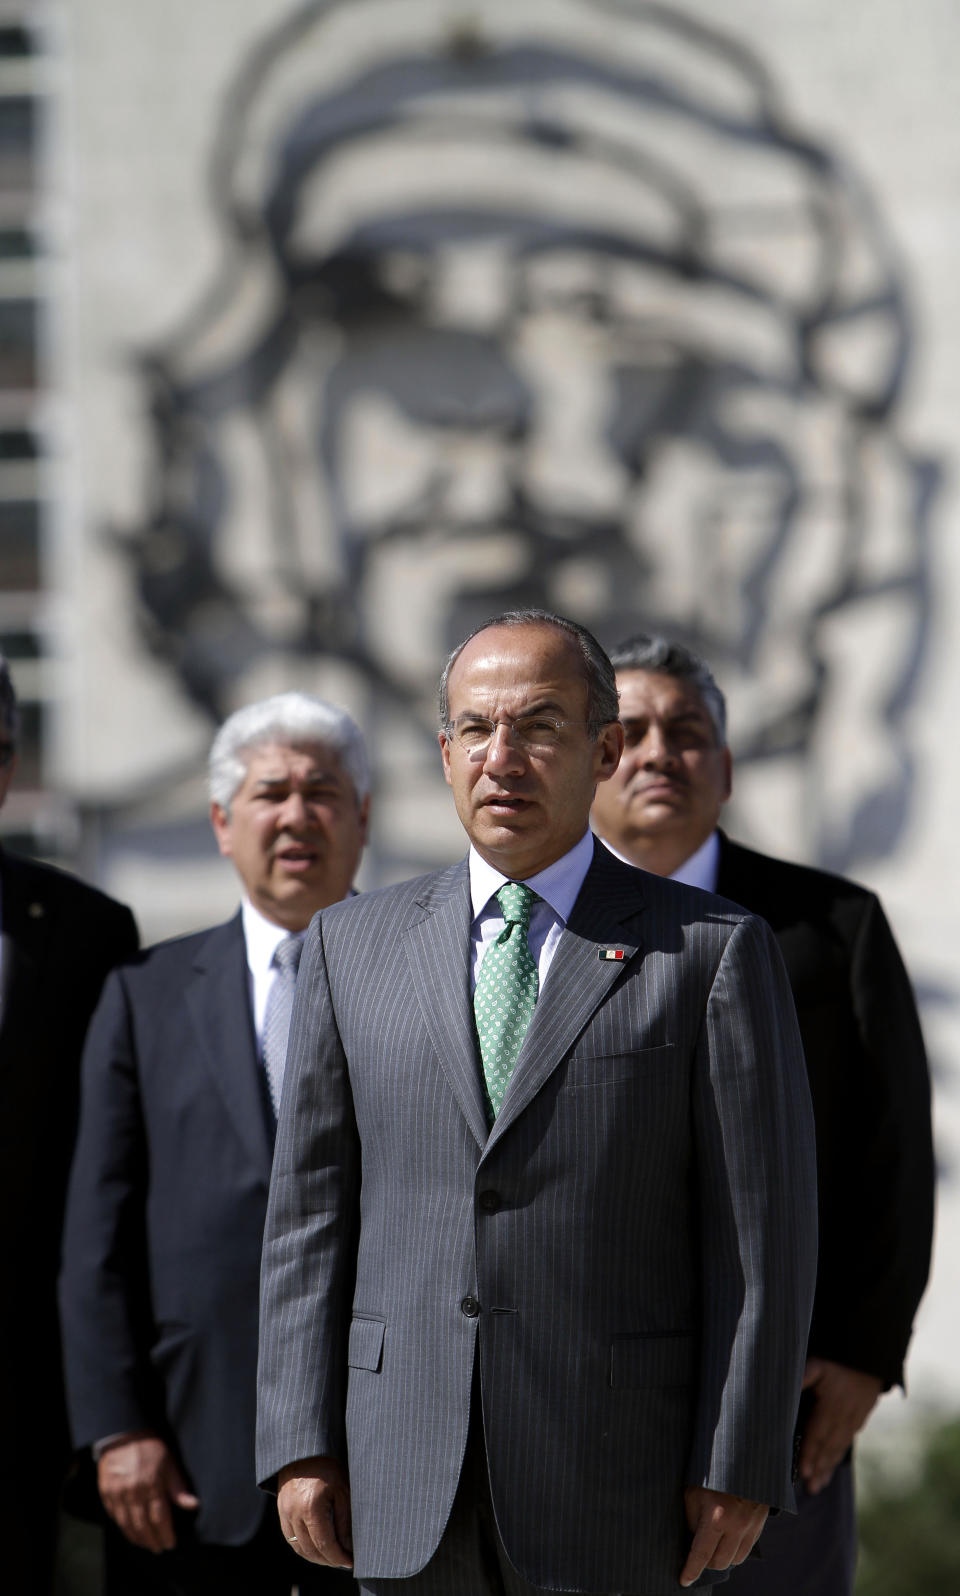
x,y
222,830
728,774
443,740
609,749
6,776
364,820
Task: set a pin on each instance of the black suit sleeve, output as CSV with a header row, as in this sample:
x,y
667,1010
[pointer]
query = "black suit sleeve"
x,y
871,1102
103,1285
878,1219
107,936
63,937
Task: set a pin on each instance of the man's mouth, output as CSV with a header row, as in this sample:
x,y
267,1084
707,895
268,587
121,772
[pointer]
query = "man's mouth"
x,y
505,803
659,787
297,857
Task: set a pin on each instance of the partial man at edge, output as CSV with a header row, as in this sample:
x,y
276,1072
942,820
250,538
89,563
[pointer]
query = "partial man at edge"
x,y
59,938
868,1079
540,1250
181,1083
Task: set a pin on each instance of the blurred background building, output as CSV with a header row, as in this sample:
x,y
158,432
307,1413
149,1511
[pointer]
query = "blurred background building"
x,y
25,429
328,329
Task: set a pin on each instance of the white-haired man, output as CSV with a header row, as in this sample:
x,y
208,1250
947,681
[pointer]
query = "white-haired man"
x,y
181,1086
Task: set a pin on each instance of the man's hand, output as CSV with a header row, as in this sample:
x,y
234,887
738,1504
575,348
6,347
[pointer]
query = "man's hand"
x,y
139,1482
314,1504
724,1529
843,1401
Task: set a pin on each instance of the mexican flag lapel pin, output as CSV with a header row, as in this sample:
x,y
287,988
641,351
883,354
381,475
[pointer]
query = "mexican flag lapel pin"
x,y
610,953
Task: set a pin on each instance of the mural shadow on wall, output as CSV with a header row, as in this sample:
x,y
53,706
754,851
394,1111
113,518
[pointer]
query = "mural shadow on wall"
x,y
559,309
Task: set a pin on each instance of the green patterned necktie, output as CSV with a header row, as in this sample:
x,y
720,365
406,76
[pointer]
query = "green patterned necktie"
x,y
506,992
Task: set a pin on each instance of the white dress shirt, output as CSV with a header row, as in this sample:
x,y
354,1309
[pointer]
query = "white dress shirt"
x,y
557,887
700,870
262,939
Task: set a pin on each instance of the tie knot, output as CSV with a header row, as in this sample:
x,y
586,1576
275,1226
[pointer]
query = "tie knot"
x,y
516,901
286,954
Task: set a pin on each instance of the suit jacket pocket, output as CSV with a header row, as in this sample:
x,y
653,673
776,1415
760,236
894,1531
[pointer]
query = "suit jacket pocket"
x,y
638,1361
588,1070
365,1346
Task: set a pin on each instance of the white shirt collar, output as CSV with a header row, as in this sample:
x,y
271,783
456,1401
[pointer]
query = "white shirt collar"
x,y
262,938
700,870
703,867
558,885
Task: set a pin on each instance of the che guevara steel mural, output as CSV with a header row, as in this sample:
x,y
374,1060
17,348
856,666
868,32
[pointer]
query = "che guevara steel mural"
x,y
549,304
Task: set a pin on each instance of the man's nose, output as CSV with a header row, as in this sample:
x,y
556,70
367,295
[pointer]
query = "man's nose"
x,y
293,813
656,749
504,751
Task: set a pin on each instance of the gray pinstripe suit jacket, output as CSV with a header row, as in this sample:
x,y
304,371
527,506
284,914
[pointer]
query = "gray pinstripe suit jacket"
x,y
638,1229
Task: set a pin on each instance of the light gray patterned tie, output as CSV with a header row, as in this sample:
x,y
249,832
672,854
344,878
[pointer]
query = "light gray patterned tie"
x,y
506,992
276,1019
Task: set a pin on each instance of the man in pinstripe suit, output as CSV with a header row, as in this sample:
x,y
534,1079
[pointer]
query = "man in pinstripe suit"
x,y
559,1346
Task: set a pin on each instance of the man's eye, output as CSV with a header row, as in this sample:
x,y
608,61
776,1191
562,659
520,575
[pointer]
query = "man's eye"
x,y
538,729
474,732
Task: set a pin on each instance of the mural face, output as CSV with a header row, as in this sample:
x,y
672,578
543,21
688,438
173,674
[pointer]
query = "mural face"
x,y
555,308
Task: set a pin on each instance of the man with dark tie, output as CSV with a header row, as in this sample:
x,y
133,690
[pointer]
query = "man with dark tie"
x,y
182,1079
58,940
868,1080
539,1253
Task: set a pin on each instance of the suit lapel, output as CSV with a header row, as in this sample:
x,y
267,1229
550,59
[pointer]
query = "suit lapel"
x,y
218,1000
437,944
605,915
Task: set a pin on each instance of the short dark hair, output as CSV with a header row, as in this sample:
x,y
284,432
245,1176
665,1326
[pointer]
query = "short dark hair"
x,y
645,651
603,700
9,715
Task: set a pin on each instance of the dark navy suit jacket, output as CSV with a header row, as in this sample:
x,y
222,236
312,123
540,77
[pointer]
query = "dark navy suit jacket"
x,y
167,1200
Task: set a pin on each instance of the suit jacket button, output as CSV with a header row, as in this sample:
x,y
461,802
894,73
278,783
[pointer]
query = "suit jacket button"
x,y
470,1306
489,1201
